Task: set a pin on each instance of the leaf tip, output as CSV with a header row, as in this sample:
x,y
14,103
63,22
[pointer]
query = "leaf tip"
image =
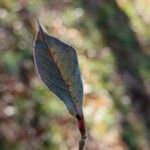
x,y
39,25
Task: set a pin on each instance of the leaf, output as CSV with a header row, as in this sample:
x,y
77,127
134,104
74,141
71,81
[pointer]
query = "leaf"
x,y
57,65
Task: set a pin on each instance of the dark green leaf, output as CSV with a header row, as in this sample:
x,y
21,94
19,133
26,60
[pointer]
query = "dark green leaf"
x,y
57,65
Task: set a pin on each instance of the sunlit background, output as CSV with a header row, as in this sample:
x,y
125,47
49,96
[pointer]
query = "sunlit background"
x,y
112,39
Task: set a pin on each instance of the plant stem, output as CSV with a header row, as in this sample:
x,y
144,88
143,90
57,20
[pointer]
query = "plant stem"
x,y
82,143
82,129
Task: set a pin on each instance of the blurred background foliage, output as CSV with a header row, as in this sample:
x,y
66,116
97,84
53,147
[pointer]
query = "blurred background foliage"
x,y
112,39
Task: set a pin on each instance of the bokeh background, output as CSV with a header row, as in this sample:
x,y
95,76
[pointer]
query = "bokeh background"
x,y
112,39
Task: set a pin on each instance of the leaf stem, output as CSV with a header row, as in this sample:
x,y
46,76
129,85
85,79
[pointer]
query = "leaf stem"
x,y
82,143
82,129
